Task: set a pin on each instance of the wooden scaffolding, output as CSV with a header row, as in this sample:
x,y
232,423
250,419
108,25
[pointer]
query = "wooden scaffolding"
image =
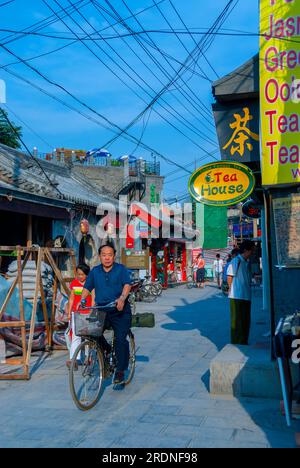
x,y
39,254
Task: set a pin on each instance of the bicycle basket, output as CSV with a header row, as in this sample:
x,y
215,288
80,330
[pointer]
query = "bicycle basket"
x,y
89,324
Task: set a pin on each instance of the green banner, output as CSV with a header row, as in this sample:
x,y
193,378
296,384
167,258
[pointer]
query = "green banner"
x,y
213,226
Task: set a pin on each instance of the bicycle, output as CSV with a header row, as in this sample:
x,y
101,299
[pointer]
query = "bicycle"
x,y
143,292
191,282
91,364
155,287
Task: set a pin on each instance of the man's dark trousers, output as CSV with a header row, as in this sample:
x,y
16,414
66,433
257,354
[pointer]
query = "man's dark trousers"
x,y
121,323
240,321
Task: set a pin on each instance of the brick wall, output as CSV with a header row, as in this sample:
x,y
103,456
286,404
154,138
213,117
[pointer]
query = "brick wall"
x,y
106,178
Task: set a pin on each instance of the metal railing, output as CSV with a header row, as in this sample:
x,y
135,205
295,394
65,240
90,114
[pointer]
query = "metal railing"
x,y
135,168
139,179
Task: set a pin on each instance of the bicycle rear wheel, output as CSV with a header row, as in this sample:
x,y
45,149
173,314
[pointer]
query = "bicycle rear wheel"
x,y
132,359
159,288
190,282
86,375
147,293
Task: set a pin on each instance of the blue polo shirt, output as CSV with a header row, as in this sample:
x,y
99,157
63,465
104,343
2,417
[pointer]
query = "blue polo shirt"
x,y
108,286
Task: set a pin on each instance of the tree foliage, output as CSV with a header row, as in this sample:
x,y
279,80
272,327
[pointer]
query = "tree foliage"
x,y
9,137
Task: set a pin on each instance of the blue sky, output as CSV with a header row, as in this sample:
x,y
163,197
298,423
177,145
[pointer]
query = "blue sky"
x,y
80,72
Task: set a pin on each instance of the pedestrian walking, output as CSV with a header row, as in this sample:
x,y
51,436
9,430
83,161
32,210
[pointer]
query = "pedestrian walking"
x,y
218,269
239,281
199,263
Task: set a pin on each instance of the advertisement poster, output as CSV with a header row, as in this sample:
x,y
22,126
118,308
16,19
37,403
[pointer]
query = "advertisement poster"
x,y
280,91
287,227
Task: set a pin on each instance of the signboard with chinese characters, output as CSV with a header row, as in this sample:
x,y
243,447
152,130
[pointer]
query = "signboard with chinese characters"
x,y
152,193
287,227
221,183
135,260
252,209
280,91
238,130
243,230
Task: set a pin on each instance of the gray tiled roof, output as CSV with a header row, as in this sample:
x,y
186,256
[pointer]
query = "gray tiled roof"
x,y
20,172
240,83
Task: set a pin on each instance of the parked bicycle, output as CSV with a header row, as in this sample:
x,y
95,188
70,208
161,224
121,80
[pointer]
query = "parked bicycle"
x,y
91,363
191,282
142,292
155,287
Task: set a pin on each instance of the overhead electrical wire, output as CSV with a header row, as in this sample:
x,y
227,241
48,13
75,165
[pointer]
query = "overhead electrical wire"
x,y
177,75
97,113
193,163
134,121
110,37
192,37
196,63
58,49
29,152
185,82
145,125
6,3
126,84
189,91
38,26
226,15
111,126
27,126
188,165
209,42
181,117
52,19
150,55
203,135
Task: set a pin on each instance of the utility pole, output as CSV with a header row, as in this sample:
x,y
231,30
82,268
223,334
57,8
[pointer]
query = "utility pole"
x,y
241,223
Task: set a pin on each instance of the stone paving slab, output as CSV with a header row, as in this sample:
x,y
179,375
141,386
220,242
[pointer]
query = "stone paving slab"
x,y
168,404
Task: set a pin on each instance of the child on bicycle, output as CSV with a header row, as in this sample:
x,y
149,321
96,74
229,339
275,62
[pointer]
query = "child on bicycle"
x,y
76,288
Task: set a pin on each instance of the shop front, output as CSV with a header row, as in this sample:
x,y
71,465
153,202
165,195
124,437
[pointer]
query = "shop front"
x,y
169,261
169,255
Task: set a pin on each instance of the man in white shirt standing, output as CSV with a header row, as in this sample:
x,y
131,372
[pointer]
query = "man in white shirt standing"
x,y
239,281
218,267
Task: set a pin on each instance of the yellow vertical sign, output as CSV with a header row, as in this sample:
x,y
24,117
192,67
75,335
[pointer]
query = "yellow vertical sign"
x,y
280,91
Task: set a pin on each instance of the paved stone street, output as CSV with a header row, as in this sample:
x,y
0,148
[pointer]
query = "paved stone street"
x,y
168,403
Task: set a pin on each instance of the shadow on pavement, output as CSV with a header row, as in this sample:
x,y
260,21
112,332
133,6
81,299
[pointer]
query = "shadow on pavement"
x,y
211,317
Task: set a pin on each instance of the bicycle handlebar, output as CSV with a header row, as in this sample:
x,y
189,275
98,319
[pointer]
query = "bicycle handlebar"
x,y
104,308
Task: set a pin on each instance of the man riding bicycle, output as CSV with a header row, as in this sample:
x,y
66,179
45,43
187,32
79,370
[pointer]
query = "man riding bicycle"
x,y
111,282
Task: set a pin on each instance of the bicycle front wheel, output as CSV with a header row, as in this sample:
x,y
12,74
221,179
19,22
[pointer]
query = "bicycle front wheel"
x,y
131,368
190,282
86,375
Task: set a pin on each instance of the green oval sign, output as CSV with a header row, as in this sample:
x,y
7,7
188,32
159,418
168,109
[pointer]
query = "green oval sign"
x,y
223,183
